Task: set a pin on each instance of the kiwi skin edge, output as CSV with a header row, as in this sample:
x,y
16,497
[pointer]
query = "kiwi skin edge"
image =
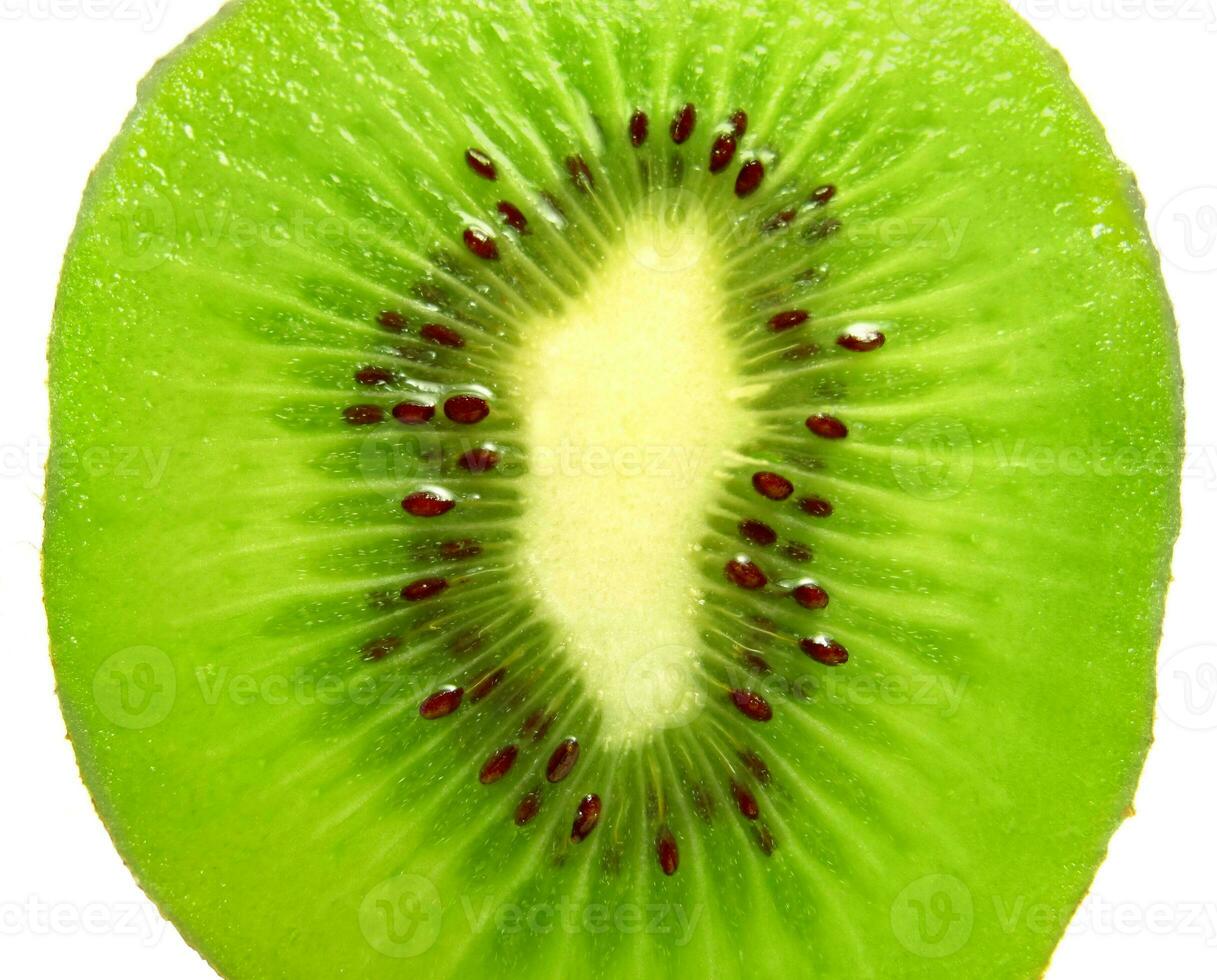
x,y
101,749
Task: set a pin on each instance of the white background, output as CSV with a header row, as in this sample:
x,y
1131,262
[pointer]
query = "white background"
x,y
68,71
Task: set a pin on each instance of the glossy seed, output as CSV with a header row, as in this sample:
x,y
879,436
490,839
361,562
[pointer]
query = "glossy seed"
x,y
513,216
480,163
722,152
481,244
498,765
756,766
487,684
787,320
442,703
827,427
745,801
745,574
810,597
823,230
424,503
528,807
439,334
739,122
466,409
412,413
765,841
683,123
392,321
816,506
586,818
801,352
862,339
536,726
824,650
479,460
374,376
756,663
823,194
667,851
380,648
752,705
562,761
640,128
580,173
780,220
749,179
758,533
424,588
460,550
363,414
797,552
772,486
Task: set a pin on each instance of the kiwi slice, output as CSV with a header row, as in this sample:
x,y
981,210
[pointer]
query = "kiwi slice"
x,y
569,489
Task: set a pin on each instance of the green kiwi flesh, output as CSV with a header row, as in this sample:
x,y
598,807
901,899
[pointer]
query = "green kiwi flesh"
x,y
606,490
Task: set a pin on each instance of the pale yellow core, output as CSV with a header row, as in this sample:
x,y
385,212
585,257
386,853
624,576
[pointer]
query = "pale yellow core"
x,y
630,423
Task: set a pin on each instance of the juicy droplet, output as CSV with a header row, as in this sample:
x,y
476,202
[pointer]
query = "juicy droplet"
x,y
758,533
811,597
442,703
640,128
752,705
480,163
481,244
749,179
466,409
424,503
498,765
788,319
827,427
363,414
562,761
683,123
439,334
528,807
423,589
745,574
722,152
824,650
586,818
772,485
667,851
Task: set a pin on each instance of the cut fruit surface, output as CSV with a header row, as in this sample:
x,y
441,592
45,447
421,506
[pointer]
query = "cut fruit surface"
x,y
586,489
